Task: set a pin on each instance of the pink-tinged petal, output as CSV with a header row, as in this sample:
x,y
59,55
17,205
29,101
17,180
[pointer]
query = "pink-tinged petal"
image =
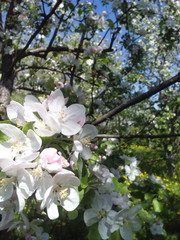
x,y
76,112
82,121
70,128
53,123
52,161
72,201
39,108
31,105
55,101
52,211
49,155
55,167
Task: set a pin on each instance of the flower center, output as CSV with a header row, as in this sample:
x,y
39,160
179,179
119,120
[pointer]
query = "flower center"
x,y
40,125
101,213
5,181
37,172
63,115
18,147
86,141
62,192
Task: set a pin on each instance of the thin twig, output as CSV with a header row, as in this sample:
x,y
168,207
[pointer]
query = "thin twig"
x,y
172,135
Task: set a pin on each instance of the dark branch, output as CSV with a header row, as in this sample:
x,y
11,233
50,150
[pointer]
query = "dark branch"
x,y
39,52
77,56
38,68
54,34
172,135
43,23
138,99
32,90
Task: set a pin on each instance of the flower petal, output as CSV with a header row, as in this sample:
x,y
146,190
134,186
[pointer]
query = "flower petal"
x,y
90,217
52,211
72,201
55,101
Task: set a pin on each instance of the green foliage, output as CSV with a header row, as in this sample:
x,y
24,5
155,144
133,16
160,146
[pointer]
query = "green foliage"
x,y
93,233
120,187
27,126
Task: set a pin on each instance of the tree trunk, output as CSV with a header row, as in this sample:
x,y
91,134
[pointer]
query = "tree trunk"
x,y
7,82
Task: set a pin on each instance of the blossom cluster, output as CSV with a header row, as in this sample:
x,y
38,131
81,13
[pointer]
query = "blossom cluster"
x,y
32,168
29,168
111,209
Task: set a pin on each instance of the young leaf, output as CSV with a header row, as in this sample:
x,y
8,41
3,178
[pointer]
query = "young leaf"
x,y
120,187
157,205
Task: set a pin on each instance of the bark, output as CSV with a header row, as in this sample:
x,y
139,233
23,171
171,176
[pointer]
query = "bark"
x,y
8,73
9,61
5,97
138,99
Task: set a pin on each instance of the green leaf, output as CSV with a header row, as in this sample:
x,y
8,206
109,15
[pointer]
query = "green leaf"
x,y
18,98
7,121
84,181
115,236
81,194
50,84
80,167
169,148
27,126
110,23
93,232
3,137
73,215
157,205
105,60
148,196
120,187
84,178
144,215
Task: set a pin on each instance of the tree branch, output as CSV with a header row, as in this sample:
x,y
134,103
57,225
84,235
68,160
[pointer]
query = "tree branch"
x,y
54,34
39,52
138,99
139,136
77,56
32,90
38,68
44,21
